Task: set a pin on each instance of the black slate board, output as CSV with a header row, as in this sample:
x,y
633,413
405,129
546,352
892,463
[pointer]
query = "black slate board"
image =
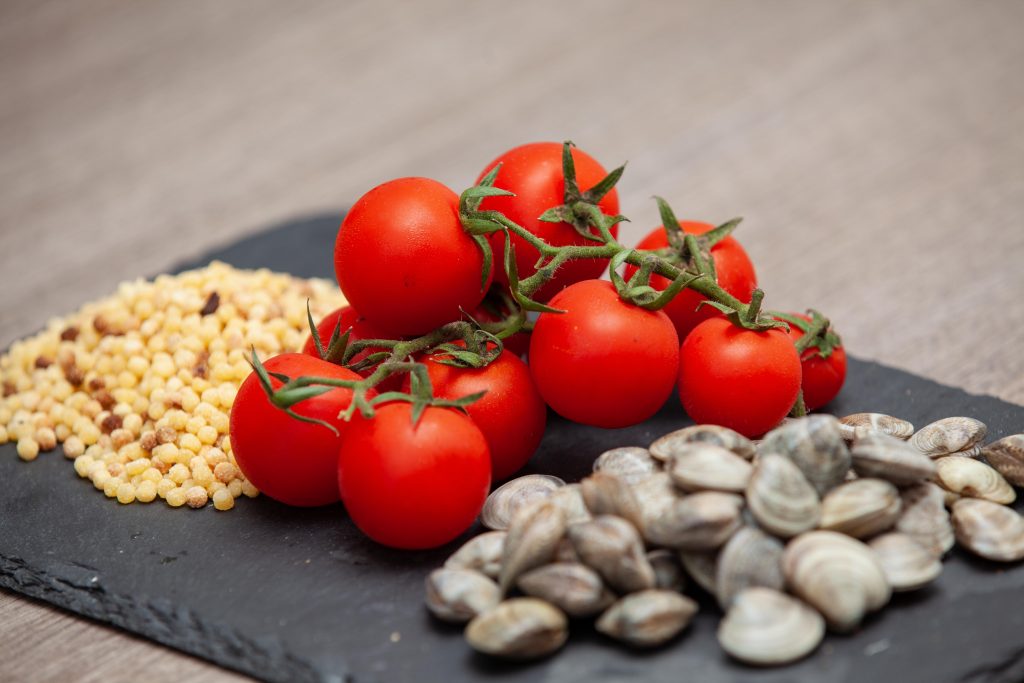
x,y
286,594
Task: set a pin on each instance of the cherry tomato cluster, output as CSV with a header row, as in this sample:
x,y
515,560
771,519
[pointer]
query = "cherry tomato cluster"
x,y
409,402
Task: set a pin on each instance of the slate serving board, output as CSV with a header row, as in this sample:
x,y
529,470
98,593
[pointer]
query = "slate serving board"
x,y
287,594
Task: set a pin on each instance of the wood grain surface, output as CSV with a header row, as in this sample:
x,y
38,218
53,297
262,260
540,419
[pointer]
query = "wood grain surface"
x,y
875,149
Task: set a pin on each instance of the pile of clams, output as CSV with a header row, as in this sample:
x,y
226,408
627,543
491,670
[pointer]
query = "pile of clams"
x,y
806,531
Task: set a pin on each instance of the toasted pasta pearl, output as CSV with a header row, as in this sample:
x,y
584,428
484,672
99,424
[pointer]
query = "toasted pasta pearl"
x,y
139,383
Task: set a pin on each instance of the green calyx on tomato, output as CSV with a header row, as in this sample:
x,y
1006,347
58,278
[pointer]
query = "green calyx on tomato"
x,y
748,317
691,250
581,209
479,351
334,351
499,314
639,291
817,332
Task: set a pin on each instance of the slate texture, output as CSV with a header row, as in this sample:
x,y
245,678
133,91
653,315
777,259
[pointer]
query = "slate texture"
x,y
287,594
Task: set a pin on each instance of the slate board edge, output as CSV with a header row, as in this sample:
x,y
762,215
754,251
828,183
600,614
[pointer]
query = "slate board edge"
x,y
267,658
161,622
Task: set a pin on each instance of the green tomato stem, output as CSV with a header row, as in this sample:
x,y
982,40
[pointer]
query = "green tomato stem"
x,y
687,264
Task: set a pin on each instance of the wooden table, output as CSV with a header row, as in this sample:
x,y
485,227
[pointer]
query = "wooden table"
x,y
876,150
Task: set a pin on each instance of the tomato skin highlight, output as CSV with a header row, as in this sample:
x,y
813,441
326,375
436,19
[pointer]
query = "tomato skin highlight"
x,y
741,379
534,173
413,487
822,377
733,269
290,461
603,362
511,415
403,260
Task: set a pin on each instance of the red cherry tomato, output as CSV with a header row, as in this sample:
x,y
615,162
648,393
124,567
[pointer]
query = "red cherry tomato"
x,y
291,461
511,414
822,377
534,173
403,260
604,362
733,268
411,486
737,378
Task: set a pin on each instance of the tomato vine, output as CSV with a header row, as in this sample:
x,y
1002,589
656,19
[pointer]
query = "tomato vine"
x,y
686,263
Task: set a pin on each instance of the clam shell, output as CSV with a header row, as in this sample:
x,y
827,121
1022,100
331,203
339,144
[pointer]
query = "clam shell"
x,y
573,588
481,553
570,499
861,508
664,448
607,494
702,567
701,521
613,547
907,564
948,435
769,628
988,529
972,452
565,552
973,478
815,444
501,506
750,558
520,628
706,467
647,618
631,463
780,498
655,495
532,540
668,571
925,519
859,425
837,575
889,458
458,595
1007,457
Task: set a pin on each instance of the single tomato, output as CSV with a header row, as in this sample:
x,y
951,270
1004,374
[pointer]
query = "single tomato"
x,y
534,173
604,362
742,379
511,414
823,372
733,270
291,461
403,260
413,486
